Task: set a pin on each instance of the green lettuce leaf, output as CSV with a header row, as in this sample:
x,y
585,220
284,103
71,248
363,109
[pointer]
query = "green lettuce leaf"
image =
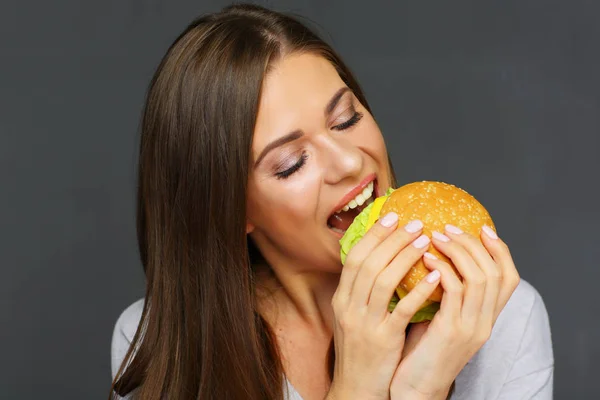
x,y
353,234
356,230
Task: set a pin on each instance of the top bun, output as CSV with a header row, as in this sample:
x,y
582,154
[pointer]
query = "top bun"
x,y
435,204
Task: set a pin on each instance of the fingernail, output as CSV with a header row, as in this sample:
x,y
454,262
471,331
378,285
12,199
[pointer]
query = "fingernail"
x,y
433,276
421,241
389,219
430,256
490,232
413,226
440,236
453,229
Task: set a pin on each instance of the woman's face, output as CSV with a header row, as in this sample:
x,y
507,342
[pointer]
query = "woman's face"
x,y
315,149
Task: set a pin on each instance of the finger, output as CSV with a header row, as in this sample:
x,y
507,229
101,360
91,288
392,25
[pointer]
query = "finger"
x,y
473,278
501,255
381,257
408,306
452,300
388,280
493,274
374,236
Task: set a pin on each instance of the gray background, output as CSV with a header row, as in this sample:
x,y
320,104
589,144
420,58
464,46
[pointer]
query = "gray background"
x,y
500,98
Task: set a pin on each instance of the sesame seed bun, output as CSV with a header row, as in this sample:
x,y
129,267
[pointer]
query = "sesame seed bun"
x,y
435,204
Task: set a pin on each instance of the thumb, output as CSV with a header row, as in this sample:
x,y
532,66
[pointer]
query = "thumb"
x,y
413,337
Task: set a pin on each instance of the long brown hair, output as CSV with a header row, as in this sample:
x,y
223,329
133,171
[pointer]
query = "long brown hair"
x,y
200,334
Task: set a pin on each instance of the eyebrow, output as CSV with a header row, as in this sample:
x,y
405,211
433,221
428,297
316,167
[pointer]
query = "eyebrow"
x,y
335,99
290,137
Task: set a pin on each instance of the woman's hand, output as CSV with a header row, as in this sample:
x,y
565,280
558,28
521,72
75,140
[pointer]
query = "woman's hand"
x,y
368,338
435,353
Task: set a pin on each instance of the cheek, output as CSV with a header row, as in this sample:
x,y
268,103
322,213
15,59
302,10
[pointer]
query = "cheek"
x,y
369,138
280,206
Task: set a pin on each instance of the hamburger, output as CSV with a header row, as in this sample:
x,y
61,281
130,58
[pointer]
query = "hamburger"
x,y
435,204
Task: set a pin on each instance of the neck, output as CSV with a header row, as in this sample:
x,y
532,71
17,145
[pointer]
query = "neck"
x,y
288,294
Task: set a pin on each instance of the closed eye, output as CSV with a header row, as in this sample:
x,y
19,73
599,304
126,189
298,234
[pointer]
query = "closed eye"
x,y
348,124
299,164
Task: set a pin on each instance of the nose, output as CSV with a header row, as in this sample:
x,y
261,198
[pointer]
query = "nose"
x,y
341,159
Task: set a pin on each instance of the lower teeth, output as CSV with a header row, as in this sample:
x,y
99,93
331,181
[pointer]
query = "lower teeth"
x,y
362,207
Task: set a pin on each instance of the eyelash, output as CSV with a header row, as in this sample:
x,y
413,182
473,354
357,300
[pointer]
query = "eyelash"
x,y
294,168
340,127
351,122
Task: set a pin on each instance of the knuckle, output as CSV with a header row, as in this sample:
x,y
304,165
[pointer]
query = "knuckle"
x,y
382,284
473,238
511,279
379,232
494,275
502,246
456,290
451,247
346,322
370,266
403,312
350,264
422,289
515,280
401,238
445,268
477,280
467,238
456,251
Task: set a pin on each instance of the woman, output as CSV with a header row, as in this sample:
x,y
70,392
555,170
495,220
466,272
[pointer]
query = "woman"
x,y
253,134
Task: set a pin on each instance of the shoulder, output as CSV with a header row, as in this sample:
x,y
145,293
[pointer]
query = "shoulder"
x,y
520,345
123,332
533,336
524,319
524,301
524,315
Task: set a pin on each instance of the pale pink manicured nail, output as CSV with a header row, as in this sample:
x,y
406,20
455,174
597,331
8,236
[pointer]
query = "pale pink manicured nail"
x,y
453,229
433,276
413,226
389,219
440,236
430,256
490,232
421,241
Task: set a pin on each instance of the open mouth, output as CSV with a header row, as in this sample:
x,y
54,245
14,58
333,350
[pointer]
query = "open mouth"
x,y
340,220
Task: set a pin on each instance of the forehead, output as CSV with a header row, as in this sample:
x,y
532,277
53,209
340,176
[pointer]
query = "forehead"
x,y
295,91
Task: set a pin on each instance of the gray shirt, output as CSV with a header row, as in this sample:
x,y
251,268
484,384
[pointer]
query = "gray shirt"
x,y
516,363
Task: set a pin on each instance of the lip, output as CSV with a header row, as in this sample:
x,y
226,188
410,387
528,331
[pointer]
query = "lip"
x,y
355,191
338,235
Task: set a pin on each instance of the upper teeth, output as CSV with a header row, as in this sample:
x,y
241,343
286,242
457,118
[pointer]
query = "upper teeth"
x,y
360,198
